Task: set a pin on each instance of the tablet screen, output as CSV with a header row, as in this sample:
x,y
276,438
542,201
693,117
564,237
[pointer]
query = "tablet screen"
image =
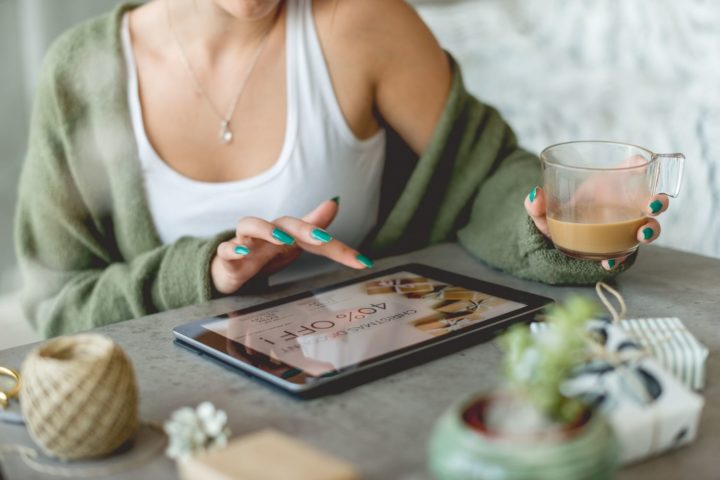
x,y
325,332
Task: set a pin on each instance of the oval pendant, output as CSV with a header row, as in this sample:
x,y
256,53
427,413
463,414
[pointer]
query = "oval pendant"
x,y
225,133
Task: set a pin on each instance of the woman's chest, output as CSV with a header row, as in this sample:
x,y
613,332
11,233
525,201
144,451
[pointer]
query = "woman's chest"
x,y
187,120
186,112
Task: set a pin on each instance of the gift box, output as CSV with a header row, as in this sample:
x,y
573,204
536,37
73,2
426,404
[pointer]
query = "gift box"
x,y
649,409
673,346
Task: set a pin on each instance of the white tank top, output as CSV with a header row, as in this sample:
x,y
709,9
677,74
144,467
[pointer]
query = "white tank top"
x,y
321,158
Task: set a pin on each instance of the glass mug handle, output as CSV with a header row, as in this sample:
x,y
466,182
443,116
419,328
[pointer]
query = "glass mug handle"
x,y
670,173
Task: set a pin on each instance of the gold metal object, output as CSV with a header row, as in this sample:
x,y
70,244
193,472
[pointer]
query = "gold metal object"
x,y
6,396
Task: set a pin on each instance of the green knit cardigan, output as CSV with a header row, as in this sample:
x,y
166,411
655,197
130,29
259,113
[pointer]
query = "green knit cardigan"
x,y
89,251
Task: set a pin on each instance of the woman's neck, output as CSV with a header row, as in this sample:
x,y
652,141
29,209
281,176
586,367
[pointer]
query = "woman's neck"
x,y
207,29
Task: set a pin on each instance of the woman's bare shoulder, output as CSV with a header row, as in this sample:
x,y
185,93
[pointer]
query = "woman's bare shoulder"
x,y
377,21
386,45
379,32
148,29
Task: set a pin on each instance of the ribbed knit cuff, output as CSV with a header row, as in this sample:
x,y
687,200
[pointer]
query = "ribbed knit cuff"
x,y
184,275
545,263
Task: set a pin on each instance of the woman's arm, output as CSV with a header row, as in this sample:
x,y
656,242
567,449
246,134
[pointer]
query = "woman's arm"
x,y
75,277
409,70
82,240
470,163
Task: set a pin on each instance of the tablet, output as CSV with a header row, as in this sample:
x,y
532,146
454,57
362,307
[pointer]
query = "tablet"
x,y
360,329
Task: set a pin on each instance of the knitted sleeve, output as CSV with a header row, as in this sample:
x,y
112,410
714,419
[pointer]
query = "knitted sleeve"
x,y
500,233
75,277
469,186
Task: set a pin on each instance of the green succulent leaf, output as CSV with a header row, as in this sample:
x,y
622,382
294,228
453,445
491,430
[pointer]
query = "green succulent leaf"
x,y
536,366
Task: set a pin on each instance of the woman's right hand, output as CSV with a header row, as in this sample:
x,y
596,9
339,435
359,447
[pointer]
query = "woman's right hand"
x,y
262,247
648,232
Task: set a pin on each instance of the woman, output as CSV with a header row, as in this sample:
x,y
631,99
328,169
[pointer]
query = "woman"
x,y
185,149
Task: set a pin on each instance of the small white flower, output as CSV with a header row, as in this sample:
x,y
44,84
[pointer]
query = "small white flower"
x,y
194,430
184,415
205,410
214,424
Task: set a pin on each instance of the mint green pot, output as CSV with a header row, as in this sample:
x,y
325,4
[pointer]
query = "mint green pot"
x,y
458,452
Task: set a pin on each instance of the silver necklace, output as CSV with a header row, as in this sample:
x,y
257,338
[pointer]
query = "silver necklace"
x,y
226,135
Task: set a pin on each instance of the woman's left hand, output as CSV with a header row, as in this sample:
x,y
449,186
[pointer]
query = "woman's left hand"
x,y
647,233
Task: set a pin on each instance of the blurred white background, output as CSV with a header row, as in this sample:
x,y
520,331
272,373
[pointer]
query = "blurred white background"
x,y
643,71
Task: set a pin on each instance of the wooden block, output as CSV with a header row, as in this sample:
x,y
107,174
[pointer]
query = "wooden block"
x,y
265,455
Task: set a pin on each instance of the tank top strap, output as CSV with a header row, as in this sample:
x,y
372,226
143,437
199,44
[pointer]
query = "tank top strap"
x,y
310,74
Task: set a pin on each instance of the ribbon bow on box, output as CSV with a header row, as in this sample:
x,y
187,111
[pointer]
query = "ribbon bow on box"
x,y
621,356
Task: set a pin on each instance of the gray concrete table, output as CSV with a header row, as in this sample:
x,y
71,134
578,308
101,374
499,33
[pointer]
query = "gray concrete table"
x,y
382,427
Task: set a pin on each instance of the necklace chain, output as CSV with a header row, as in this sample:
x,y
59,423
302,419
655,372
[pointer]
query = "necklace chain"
x,y
226,134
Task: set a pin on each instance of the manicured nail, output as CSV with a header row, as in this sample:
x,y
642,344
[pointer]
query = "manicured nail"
x,y
656,206
336,200
648,233
533,194
364,260
611,263
283,237
242,250
291,373
321,235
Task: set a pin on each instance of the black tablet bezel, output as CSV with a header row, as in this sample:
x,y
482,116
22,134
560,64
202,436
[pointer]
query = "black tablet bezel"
x,y
188,334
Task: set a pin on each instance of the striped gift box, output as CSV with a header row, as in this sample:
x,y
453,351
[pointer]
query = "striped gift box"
x,y
670,343
674,347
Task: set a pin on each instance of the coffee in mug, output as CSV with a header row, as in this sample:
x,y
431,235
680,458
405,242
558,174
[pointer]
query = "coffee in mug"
x,y
598,193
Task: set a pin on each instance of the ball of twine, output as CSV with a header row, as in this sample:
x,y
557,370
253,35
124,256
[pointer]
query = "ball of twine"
x,y
79,397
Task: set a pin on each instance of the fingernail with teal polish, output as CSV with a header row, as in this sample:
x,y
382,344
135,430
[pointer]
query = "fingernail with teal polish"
x,y
656,206
291,373
364,260
283,237
648,233
611,263
336,200
533,194
242,250
321,235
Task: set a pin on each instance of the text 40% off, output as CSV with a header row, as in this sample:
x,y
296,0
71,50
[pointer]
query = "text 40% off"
x,y
361,313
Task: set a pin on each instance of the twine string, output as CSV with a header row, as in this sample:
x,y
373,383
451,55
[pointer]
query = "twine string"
x,y
616,316
80,401
614,359
79,396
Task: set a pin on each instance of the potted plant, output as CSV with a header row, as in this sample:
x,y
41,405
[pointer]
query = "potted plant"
x,y
529,428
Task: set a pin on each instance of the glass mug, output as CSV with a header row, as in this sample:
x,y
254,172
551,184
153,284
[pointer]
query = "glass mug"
x,y
597,194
